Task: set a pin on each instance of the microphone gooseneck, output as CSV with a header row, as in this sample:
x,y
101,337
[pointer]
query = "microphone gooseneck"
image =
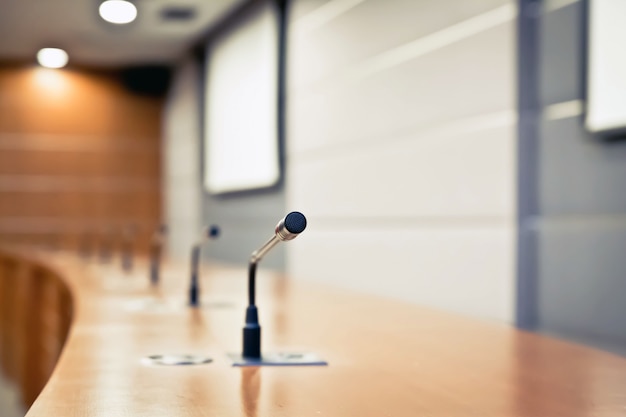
x,y
156,251
287,228
211,232
128,236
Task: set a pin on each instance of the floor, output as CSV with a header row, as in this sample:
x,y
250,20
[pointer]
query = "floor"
x,y
9,401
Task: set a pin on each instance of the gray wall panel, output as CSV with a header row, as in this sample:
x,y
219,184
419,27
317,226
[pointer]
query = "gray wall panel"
x,y
581,225
583,279
580,174
561,54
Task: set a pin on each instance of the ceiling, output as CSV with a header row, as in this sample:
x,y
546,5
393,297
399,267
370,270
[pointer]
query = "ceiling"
x,y
74,25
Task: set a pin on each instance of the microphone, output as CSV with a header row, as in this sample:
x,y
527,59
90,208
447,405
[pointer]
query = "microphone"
x,y
287,228
211,232
128,236
156,249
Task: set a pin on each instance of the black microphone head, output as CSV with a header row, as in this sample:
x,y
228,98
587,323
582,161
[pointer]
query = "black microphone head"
x,y
291,226
295,222
213,231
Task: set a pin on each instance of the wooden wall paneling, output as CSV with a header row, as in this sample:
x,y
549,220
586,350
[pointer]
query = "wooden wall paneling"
x,y
104,162
77,148
139,206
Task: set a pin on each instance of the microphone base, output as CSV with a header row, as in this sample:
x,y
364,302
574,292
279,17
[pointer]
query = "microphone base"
x,y
176,360
252,334
279,359
194,297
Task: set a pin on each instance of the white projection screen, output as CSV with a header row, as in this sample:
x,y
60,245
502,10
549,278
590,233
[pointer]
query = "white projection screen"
x,y
241,139
606,82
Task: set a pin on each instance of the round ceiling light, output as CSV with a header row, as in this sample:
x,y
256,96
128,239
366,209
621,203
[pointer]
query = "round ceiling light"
x,y
118,11
52,57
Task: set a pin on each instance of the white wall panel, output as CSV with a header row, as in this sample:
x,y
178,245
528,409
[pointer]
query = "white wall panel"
x,y
468,78
355,34
181,150
421,175
457,268
181,176
401,151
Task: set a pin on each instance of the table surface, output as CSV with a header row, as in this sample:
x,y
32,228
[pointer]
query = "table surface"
x,y
385,357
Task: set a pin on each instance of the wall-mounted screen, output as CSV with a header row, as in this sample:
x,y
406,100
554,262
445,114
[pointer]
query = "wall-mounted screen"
x,y
606,83
241,105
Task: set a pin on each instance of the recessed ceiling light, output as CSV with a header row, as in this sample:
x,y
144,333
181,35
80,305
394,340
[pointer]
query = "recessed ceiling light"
x,y
118,11
52,57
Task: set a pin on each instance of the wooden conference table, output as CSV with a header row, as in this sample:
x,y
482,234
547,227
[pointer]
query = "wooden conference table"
x,y
385,358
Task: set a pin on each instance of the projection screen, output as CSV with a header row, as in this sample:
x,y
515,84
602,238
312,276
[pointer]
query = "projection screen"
x,y
606,66
241,140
